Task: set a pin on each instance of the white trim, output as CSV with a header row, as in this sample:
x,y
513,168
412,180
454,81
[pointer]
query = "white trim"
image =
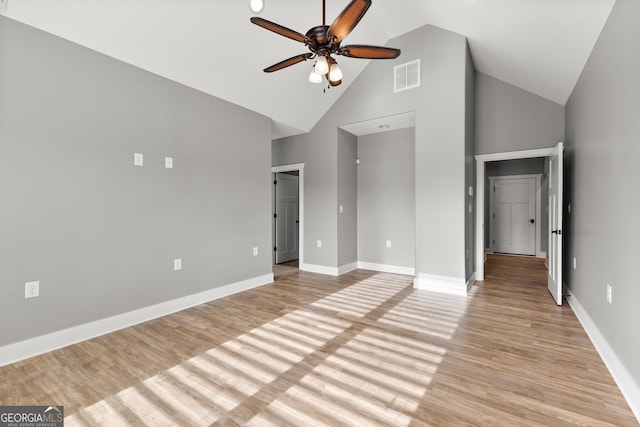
x,y
12,353
385,268
444,284
538,201
300,168
471,281
542,254
630,390
320,269
511,155
481,159
347,268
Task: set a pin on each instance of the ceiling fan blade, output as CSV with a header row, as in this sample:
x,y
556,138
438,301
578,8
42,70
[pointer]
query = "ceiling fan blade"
x,y
369,52
288,62
279,29
348,19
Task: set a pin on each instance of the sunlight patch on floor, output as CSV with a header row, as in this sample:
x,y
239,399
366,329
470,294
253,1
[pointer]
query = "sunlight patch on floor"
x,y
310,366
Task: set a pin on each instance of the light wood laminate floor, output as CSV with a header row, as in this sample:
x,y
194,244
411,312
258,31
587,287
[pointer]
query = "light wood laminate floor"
x,y
362,349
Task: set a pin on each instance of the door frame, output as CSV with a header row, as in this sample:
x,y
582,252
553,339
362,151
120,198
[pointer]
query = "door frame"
x,y
538,198
279,215
481,159
300,168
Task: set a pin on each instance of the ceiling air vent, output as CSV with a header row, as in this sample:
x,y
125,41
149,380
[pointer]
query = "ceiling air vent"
x,y
406,76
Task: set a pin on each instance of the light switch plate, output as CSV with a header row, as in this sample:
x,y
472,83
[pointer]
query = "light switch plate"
x,y
255,251
168,162
319,243
177,264
138,159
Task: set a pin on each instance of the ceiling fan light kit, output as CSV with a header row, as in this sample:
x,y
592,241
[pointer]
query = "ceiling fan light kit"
x,y
324,41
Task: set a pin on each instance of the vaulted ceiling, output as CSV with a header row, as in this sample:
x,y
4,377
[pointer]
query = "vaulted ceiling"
x,y
210,45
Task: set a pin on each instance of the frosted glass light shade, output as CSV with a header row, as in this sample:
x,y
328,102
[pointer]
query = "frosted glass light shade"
x,y
256,5
315,77
322,66
335,73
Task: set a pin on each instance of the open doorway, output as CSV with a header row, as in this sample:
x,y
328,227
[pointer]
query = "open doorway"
x,y
288,216
554,253
516,204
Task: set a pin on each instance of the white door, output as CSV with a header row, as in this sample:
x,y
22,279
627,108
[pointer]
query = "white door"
x,y
514,216
286,217
555,223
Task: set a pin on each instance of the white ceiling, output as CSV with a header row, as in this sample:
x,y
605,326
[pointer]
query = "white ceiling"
x,y
538,45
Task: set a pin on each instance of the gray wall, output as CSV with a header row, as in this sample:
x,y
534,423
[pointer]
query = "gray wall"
x,y
530,166
511,119
439,151
347,198
98,233
469,165
386,198
602,171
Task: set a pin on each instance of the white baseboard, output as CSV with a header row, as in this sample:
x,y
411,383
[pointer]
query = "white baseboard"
x,y
320,269
630,390
471,281
347,268
385,268
337,271
541,255
444,284
12,353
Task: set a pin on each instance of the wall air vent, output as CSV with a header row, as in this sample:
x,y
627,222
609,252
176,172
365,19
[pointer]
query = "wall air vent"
x,y
406,76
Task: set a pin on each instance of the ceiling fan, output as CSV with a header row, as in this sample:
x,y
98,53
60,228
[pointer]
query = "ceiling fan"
x,y
324,41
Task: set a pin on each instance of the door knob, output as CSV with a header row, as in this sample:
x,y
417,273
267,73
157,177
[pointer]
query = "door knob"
x,y
532,221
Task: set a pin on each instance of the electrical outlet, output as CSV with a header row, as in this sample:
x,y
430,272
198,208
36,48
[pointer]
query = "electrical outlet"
x,y
32,289
177,264
575,263
319,243
168,162
255,251
341,209
3,5
388,243
609,293
138,159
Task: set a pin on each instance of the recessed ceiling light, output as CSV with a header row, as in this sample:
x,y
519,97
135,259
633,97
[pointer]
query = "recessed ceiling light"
x,y
383,126
256,5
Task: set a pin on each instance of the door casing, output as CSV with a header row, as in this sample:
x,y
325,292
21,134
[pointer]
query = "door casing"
x,y
539,252
300,168
481,160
